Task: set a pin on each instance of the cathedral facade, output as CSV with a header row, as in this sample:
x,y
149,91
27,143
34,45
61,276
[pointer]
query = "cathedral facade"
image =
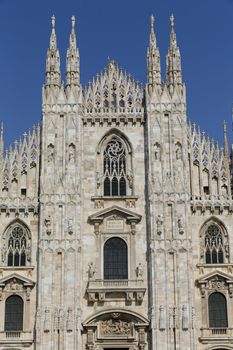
x,y
116,217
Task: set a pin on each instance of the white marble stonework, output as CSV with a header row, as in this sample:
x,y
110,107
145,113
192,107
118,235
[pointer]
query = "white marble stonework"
x,y
116,164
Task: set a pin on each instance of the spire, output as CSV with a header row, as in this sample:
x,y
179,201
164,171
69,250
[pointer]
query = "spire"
x,y
153,60
225,144
173,61
53,75
1,143
72,60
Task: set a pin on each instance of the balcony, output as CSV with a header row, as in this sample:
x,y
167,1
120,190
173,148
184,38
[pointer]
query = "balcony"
x,y
216,334
102,290
16,337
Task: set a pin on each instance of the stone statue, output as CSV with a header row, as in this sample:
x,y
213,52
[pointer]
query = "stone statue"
x,y
48,224
180,226
91,270
159,222
139,271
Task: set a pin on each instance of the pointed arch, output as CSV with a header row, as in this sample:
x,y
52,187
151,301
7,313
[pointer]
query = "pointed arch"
x,y
16,244
114,164
214,242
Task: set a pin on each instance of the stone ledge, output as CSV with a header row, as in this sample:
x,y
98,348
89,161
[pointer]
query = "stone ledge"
x,y
133,290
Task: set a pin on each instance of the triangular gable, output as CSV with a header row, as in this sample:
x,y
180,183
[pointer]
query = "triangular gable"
x,y
25,281
215,274
102,214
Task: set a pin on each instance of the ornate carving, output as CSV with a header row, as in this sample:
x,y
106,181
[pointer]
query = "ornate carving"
x,y
48,225
130,180
4,252
162,320
115,327
91,271
71,153
185,317
139,271
28,251
159,222
14,285
47,320
99,204
70,226
69,320
50,155
180,226
216,283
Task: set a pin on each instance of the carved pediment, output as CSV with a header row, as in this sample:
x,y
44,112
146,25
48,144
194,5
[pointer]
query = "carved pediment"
x,y
15,282
216,281
112,317
116,325
114,212
216,276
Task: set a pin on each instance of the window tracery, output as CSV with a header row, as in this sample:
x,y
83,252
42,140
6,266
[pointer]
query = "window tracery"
x,y
115,173
16,246
214,244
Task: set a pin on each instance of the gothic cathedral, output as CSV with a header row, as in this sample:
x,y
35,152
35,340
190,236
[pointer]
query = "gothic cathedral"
x,y
116,216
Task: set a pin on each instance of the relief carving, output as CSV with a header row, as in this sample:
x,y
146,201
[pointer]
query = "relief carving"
x,y
216,283
116,327
14,285
159,222
48,225
91,271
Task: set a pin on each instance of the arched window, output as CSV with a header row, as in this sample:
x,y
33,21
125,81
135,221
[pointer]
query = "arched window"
x,y
114,168
214,245
217,311
14,313
115,259
17,245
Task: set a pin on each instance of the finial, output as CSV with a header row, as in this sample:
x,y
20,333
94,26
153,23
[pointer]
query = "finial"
x,y
53,21
73,21
224,126
152,21
172,21
225,142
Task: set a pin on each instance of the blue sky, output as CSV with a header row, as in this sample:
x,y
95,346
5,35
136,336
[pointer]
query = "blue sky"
x,y
118,29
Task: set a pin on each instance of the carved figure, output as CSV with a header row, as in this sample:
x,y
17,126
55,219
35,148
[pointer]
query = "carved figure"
x,y
70,226
180,226
115,327
162,321
48,223
71,152
159,222
139,270
130,180
50,153
91,270
28,251
157,152
4,251
185,318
